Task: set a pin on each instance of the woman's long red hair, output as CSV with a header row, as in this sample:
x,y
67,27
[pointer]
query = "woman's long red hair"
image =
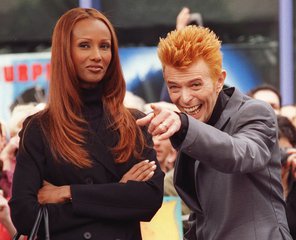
x,y
64,129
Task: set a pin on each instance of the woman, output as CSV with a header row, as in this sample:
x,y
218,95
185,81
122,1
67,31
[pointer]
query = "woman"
x,y
84,155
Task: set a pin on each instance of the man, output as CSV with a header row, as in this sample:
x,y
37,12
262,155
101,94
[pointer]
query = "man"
x,y
289,111
165,153
228,166
269,94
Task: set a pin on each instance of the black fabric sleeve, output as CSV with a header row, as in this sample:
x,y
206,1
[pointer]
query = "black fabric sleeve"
x,y
179,136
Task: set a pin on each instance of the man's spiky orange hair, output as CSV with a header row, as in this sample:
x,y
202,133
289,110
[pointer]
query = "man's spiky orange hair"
x,y
183,47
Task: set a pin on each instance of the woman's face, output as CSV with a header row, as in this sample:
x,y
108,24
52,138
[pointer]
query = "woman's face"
x,y
91,50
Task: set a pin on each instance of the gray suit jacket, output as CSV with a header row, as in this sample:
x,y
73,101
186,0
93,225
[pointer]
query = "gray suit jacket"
x,y
229,174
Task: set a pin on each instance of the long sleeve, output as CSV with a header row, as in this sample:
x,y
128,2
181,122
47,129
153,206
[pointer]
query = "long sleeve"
x,y
131,200
245,148
28,177
97,203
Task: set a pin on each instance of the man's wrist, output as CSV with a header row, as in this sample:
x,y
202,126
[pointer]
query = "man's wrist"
x,y
179,136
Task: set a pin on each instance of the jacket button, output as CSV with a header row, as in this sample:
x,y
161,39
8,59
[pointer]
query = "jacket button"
x,y
88,180
87,235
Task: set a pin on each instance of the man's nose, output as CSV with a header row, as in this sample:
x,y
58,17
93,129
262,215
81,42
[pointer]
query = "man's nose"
x,y
186,96
156,143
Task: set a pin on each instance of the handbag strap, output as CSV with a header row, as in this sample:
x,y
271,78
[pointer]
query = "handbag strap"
x,y
16,236
42,214
46,223
36,225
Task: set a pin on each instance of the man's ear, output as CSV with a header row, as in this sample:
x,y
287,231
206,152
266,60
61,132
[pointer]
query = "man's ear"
x,y
220,81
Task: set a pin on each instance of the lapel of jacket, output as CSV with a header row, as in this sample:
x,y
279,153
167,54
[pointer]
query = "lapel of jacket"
x,y
185,172
234,103
99,145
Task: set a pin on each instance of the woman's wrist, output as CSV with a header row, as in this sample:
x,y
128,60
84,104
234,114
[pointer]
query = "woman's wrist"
x,y
66,193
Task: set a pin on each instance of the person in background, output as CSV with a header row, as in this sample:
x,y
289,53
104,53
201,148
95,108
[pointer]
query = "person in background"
x,y
132,100
7,229
7,160
8,154
228,169
269,94
2,136
289,111
83,155
18,116
287,142
165,153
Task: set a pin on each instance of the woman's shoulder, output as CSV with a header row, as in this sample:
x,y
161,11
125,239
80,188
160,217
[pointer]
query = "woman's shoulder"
x,y
33,124
136,113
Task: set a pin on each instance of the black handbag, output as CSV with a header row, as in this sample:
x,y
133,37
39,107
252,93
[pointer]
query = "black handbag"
x,y
42,214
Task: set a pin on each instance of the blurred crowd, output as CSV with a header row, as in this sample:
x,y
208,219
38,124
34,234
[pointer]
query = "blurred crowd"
x,y
166,154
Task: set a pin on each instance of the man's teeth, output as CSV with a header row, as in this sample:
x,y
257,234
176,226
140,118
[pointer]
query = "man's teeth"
x,y
191,110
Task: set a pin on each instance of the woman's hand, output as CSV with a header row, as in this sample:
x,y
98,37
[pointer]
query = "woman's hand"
x,y
50,193
141,171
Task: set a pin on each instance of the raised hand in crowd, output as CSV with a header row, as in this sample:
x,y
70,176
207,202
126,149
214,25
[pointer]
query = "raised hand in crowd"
x,y
183,18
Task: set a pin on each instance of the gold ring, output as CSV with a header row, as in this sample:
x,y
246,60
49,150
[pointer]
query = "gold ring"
x,y
164,125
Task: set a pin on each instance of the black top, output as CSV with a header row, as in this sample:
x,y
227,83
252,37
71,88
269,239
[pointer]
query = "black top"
x,y
92,109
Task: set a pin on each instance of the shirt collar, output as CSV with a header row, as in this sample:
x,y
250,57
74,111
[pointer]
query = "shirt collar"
x,y
218,109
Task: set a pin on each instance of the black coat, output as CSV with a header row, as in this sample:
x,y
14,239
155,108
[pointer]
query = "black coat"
x,y
101,207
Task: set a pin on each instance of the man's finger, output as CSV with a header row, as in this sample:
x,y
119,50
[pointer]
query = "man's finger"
x,y
156,109
170,132
145,120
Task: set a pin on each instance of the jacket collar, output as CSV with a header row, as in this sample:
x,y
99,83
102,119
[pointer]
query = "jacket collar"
x,y
235,97
99,145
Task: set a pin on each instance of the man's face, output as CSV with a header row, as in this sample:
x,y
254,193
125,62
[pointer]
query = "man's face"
x,y
165,153
162,148
269,97
193,90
